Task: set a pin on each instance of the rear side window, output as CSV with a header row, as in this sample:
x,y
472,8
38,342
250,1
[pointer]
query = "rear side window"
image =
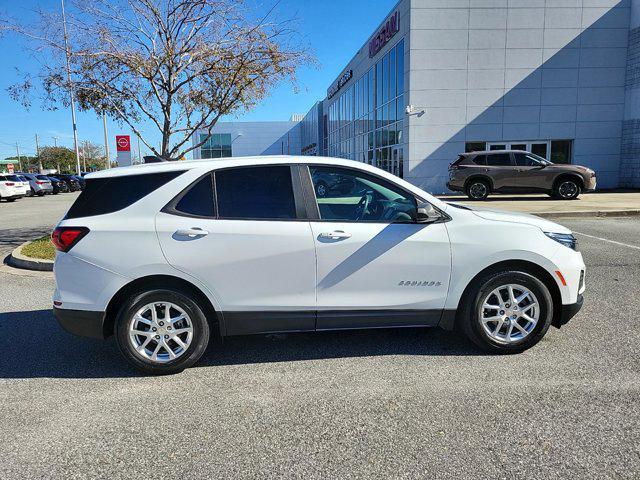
x,y
480,159
12,178
110,194
198,200
42,177
255,193
499,160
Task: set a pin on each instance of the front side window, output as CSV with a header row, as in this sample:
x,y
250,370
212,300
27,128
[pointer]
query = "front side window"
x,y
524,160
499,160
343,194
255,193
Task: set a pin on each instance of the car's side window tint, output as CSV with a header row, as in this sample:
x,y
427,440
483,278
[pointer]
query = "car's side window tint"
x,y
480,160
199,199
255,193
524,160
348,195
499,160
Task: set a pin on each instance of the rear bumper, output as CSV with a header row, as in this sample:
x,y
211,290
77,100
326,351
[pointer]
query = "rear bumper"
x,y
454,188
84,323
568,312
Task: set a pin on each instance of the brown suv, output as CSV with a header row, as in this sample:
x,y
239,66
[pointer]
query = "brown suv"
x,y
514,171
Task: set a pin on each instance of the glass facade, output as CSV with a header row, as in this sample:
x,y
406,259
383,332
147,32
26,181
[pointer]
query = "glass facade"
x,y
217,146
365,122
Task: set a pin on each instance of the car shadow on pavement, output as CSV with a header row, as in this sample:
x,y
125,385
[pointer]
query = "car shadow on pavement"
x,y
33,345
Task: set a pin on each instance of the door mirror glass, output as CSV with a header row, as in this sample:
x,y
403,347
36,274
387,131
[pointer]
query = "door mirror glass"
x,y
426,213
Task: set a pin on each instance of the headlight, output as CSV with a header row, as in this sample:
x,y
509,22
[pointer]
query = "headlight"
x,y
565,239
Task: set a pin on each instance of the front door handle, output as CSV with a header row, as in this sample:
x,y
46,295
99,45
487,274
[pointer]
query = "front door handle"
x,y
335,235
192,232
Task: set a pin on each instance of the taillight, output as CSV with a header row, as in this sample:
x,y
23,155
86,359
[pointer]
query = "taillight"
x,y
64,238
40,182
9,184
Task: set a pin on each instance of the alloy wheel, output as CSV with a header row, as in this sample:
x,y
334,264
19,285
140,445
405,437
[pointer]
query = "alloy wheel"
x,y
568,189
478,190
160,331
509,313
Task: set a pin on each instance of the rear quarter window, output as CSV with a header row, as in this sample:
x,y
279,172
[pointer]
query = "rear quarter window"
x,y
111,194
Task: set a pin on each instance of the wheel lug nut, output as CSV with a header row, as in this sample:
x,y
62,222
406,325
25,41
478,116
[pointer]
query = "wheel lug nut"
x,y
514,316
501,312
168,328
154,328
166,336
161,323
506,305
157,337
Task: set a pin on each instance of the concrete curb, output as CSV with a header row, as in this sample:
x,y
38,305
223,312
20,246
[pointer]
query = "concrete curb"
x,y
17,260
596,213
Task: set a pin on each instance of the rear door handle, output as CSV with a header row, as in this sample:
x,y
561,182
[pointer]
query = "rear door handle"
x,y
192,232
335,235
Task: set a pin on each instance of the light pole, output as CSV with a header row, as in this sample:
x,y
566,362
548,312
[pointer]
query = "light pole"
x,y
106,139
73,105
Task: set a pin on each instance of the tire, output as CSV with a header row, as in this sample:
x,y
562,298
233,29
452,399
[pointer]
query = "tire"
x,y
11,199
321,190
566,189
478,189
181,303
41,193
33,192
505,341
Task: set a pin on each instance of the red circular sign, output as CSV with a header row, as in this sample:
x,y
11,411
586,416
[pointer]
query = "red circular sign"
x,y
123,142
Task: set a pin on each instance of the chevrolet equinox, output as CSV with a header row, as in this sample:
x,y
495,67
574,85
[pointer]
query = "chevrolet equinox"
x,y
164,255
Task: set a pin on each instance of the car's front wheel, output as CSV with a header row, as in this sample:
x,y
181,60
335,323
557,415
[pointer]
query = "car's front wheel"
x,y
507,312
162,331
566,189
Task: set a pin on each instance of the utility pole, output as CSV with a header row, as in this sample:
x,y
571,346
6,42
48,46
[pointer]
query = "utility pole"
x,y
84,155
38,155
73,105
139,157
55,142
106,139
18,152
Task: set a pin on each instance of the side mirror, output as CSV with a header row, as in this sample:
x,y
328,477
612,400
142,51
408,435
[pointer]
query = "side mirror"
x,y
426,213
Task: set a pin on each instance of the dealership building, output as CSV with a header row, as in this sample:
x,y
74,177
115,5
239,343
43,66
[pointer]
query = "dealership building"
x,y
560,78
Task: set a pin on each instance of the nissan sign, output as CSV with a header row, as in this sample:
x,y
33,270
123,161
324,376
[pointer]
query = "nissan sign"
x,y
388,30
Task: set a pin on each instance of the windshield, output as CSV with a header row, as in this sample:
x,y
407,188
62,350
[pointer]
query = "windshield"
x,y
542,160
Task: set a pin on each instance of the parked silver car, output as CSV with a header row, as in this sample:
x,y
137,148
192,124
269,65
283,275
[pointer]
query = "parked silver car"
x,y
39,184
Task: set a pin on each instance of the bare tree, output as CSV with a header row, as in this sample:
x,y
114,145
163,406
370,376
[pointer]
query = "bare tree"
x,y
177,64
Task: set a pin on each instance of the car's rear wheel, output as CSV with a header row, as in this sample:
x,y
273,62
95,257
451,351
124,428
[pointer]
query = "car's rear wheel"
x,y
507,312
566,189
162,331
478,189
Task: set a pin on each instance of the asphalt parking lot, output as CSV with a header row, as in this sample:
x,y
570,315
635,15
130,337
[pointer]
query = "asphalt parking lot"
x,y
360,404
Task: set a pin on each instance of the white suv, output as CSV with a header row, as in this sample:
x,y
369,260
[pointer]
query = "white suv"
x,y
11,187
162,254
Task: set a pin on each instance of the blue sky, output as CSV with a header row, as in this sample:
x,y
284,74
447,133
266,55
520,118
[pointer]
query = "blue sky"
x,y
334,29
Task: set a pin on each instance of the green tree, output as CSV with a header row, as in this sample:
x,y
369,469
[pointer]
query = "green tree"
x,y
62,159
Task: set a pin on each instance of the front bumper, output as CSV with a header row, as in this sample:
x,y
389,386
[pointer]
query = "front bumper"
x,y
84,323
568,312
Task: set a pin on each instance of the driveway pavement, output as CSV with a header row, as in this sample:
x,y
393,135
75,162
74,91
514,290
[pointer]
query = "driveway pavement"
x,y
29,218
588,204
360,404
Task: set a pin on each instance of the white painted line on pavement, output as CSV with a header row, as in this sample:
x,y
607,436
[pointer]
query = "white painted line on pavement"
x,y
610,241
